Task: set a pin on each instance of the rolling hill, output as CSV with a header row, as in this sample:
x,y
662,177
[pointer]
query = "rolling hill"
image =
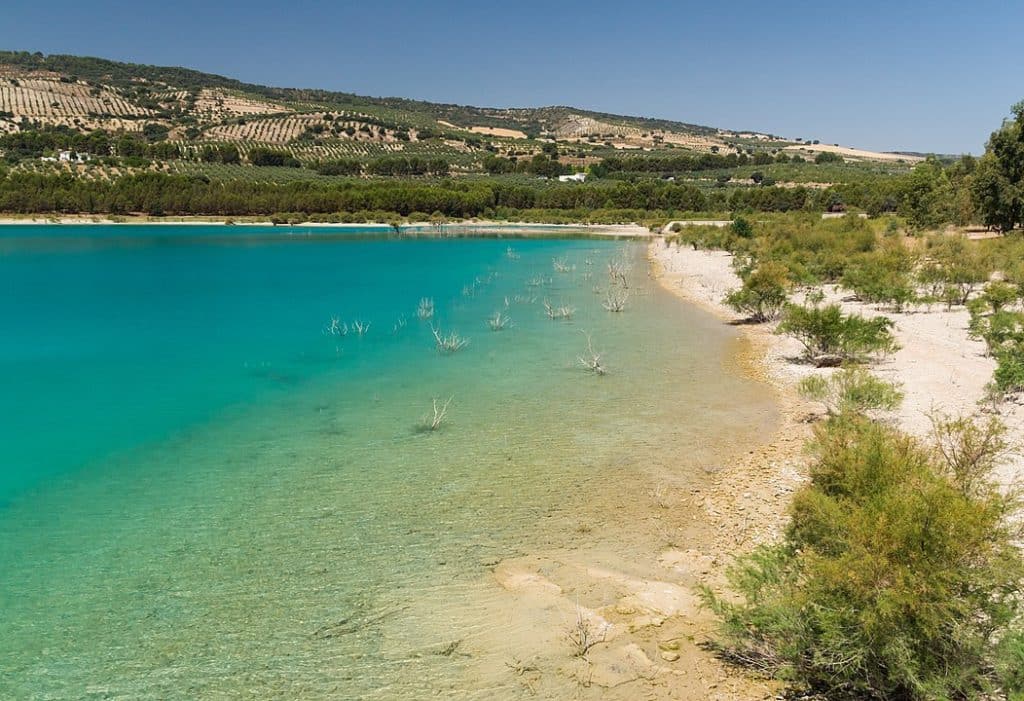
x,y
192,110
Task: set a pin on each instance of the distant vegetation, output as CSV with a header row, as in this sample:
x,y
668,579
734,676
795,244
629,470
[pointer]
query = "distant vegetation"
x,y
189,135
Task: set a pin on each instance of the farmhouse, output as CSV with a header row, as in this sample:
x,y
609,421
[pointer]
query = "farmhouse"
x,y
72,157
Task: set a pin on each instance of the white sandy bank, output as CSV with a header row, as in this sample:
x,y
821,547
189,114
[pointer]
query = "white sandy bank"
x,y
939,367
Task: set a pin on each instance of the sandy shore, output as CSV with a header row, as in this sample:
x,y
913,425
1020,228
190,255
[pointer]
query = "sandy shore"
x,y
939,368
652,627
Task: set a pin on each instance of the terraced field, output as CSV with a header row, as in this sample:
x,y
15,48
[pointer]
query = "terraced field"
x,y
37,97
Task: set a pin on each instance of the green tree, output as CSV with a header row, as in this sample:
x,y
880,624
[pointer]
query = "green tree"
x,y
928,199
998,183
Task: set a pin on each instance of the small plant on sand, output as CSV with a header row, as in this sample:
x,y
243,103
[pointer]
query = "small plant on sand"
x,y
998,330
591,359
854,390
499,321
451,342
1009,374
439,412
562,312
425,310
831,337
583,635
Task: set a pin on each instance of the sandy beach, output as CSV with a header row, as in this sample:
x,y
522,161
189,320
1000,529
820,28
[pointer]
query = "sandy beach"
x,y
938,366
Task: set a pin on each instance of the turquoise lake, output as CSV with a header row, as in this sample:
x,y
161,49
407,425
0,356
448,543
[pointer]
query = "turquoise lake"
x,y
205,493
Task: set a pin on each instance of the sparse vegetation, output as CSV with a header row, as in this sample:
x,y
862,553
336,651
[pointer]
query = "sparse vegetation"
x,y
448,343
764,292
851,391
832,337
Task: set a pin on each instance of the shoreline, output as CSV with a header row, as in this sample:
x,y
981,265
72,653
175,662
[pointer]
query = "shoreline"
x,y
650,612
469,227
751,497
938,366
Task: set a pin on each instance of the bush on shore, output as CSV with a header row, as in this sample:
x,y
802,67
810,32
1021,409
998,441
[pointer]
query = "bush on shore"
x,y
763,294
898,576
851,390
831,337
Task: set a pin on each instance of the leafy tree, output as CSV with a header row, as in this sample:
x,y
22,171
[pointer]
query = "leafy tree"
x,y
496,164
928,196
152,131
828,157
268,157
742,228
998,183
341,166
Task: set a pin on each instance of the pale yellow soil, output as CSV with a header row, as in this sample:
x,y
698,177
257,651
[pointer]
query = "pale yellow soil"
x,y
848,152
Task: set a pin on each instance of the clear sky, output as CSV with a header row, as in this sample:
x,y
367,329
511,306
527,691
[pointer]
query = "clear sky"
x,y
924,76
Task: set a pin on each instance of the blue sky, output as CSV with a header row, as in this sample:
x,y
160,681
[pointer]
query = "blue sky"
x,y
925,76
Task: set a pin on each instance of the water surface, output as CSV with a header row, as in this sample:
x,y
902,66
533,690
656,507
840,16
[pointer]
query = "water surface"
x,y
203,494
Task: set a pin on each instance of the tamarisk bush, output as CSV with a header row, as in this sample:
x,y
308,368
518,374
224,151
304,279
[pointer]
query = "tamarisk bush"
x,y
898,577
831,337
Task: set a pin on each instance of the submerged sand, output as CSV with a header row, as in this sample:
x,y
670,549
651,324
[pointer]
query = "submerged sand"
x,y
655,630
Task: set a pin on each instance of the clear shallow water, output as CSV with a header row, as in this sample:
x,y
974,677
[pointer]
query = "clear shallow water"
x,y
204,496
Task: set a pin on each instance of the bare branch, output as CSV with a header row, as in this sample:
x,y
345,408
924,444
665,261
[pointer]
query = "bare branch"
x,y
591,360
425,310
499,321
564,312
450,342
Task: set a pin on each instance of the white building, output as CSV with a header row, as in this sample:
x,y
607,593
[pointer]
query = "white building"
x,y
574,178
72,157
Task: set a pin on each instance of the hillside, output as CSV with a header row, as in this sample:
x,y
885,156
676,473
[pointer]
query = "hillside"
x,y
192,110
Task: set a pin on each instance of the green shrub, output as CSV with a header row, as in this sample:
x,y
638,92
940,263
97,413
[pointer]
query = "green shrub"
x,y
852,390
742,228
997,330
955,265
763,294
831,337
877,285
1009,374
892,582
882,276
1010,665
999,294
